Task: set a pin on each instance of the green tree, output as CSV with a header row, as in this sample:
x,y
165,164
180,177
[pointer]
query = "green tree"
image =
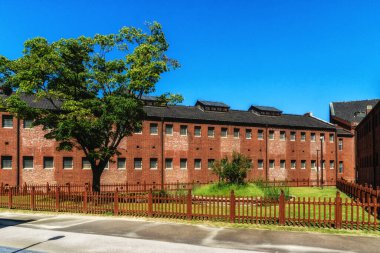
x,y
234,170
93,86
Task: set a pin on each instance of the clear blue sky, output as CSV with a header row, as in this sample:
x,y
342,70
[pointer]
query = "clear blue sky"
x,y
294,55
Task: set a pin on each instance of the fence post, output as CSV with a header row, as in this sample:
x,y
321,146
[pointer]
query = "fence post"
x,y
281,208
144,186
189,205
150,203
57,199
24,189
47,187
116,202
85,201
338,211
32,198
232,207
375,212
10,197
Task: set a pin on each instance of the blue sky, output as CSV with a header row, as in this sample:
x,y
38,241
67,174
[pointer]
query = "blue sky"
x,y
295,55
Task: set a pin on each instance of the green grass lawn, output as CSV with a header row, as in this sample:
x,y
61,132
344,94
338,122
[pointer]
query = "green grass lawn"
x,y
252,190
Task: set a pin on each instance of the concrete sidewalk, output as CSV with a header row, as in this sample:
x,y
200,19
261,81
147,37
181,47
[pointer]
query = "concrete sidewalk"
x,y
75,233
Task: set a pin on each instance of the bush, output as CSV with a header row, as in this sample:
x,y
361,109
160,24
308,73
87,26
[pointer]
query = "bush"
x,y
234,171
275,192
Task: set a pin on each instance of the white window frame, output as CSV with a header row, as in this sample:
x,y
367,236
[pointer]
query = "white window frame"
x,y
150,129
213,132
271,135
303,164
237,131
260,164
169,126
150,163
171,163
200,164
313,137
180,130
332,167
260,134
248,134
283,162
208,163
72,162
11,159
291,164
43,161
293,136
222,131
200,131
83,168
125,163
141,163
271,162
180,163
303,136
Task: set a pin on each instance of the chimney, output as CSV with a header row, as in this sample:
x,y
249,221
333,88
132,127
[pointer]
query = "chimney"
x,y
308,114
369,108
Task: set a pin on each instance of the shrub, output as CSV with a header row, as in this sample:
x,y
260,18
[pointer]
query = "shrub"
x,y
234,171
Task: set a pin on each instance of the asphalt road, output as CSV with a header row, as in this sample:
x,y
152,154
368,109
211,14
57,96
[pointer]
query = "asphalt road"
x,y
71,233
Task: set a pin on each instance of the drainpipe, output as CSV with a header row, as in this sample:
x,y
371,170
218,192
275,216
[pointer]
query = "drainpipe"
x,y
18,154
266,153
336,154
162,153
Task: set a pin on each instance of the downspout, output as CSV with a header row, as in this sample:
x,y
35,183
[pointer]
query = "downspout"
x,y
266,153
18,154
336,155
373,151
162,153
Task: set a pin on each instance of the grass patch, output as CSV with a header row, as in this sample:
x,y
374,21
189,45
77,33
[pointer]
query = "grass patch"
x,y
225,190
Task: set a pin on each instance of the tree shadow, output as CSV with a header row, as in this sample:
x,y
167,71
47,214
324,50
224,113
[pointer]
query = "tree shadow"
x,y
50,239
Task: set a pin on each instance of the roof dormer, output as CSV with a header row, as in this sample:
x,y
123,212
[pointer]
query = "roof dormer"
x,y
212,106
265,110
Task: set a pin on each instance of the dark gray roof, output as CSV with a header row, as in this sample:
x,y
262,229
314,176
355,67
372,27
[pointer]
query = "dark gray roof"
x,y
191,113
351,111
265,108
148,98
40,103
343,132
211,103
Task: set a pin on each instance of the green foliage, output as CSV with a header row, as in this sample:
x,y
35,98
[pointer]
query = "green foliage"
x,y
92,86
234,171
274,192
224,189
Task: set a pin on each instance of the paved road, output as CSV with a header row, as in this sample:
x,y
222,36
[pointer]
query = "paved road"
x,y
70,233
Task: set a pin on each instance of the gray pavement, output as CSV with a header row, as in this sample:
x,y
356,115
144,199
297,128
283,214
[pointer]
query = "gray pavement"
x,y
75,233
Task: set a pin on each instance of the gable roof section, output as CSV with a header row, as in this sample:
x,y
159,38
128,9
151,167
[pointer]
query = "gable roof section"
x,y
211,103
351,111
34,102
265,108
191,113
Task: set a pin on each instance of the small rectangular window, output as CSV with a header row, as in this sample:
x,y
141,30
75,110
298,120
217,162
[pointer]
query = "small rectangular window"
x,y
183,130
28,123
6,162
271,135
236,132
183,164
169,163
282,164
153,163
121,162
322,137
293,164
224,132
211,132
67,163
340,144
331,137
27,162
169,129
260,164
138,163
303,164
332,164
260,134
271,164
48,162
86,164
282,135
303,136
210,163
312,137
197,164
153,129
107,166
248,133
292,136
323,165
313,164
7,121
197,131
340,167
138,131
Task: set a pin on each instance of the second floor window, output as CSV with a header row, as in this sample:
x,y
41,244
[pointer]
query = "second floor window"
x,y
197,131
138,164
153,129
224,132
282,135
260,134
271,135
153,163
183,130
48,162
312,136
303,136
6,162
292,136
340,145
211,132
169,129
67,163
86,164
236,132
197,164
248,134
7,121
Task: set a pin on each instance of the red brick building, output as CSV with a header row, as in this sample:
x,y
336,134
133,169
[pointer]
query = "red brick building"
x,y
346,116
368,148
179,143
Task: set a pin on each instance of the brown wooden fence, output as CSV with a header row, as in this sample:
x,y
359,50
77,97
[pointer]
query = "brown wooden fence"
x,y
308,212
361,193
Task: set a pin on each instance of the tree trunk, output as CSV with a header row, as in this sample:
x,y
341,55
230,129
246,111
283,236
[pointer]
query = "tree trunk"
x,y
96,173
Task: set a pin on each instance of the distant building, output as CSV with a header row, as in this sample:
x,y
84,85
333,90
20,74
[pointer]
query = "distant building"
x,y
180,143
368,147
346,116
